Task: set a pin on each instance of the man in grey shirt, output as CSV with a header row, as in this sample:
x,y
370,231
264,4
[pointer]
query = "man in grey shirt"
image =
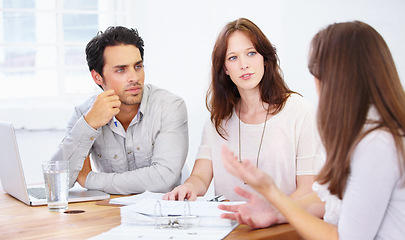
x,y
136,134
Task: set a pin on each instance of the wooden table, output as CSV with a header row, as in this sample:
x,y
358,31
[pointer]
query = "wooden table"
x,y
19,221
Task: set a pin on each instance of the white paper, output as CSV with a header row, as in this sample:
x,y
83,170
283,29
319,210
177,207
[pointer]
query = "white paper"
x,y
166,208
138,219
145,195
127,231
135,198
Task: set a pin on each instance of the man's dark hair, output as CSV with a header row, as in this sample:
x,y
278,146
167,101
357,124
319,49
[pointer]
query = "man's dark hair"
x,y
112,36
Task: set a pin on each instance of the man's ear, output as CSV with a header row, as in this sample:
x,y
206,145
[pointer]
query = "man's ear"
x,y
98,79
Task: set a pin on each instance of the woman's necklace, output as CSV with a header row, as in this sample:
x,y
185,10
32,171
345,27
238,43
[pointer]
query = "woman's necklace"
x,y
261,140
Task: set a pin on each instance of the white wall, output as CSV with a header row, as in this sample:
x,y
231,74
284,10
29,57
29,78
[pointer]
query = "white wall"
x,y
179,36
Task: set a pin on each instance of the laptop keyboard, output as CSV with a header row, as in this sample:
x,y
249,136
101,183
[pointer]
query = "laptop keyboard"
x,y
38,193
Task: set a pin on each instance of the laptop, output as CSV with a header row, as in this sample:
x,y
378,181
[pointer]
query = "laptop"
x,y
13,179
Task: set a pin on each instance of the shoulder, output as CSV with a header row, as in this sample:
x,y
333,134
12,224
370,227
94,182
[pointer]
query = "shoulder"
x,y
377,138
209,125
297,101
296,104
160,95
376,149
209,128
159,100
86,105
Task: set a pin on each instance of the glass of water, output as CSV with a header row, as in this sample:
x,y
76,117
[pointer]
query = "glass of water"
x,y
56,176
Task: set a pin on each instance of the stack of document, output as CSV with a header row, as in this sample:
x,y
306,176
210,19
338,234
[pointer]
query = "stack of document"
x,y
151,233
136,198
146,216
198,213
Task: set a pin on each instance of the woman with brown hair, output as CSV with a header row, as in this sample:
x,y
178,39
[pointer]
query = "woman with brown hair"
x,y
361,120
257,115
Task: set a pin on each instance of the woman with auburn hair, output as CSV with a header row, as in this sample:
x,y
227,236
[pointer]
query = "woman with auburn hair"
x,y
360,192
257,115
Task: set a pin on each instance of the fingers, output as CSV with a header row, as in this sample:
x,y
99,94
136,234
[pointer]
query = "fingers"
x,y
249,221
105,106
192,196
244,170
231,162
235,215
184,194
172,196
229,208
168,196
110,100
256,178
243,193
247,165
239,218
109,92
180,193
231,216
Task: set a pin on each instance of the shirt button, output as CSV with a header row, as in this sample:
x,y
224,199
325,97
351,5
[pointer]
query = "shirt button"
x,y
129,152
92,138
99,155
115,156
137,148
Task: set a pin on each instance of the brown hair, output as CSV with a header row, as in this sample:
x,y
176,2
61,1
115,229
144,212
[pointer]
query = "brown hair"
x,y
223,95
356,70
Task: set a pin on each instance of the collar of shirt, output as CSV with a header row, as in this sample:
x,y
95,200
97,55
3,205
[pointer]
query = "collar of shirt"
x,y
138,117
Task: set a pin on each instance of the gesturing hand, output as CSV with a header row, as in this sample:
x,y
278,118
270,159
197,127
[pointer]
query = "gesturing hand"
x,y
104,108
257,212
246,171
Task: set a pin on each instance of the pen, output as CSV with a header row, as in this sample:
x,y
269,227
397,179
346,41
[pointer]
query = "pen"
x,y
218,198
115,121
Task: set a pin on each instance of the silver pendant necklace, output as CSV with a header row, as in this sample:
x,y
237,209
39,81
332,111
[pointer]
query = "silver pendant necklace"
x,y
261,140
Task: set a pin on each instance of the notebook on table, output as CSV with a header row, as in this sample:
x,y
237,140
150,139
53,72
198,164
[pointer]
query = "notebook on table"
x,y
13,179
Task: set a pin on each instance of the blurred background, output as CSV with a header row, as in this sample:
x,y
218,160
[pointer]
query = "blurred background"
x,y
43,72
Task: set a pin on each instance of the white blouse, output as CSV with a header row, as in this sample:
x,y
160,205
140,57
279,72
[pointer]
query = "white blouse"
x,y
373,205
291,146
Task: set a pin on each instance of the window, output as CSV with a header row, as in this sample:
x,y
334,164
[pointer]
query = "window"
x,y
42,45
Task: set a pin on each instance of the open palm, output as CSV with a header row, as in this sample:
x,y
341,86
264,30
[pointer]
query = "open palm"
x,y
256,213
246,171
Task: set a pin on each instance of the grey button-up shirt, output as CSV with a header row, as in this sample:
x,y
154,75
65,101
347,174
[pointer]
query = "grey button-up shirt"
x,y
148,156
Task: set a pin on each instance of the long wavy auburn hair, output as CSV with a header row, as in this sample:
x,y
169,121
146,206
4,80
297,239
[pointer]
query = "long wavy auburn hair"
x,y
223,95
356,70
